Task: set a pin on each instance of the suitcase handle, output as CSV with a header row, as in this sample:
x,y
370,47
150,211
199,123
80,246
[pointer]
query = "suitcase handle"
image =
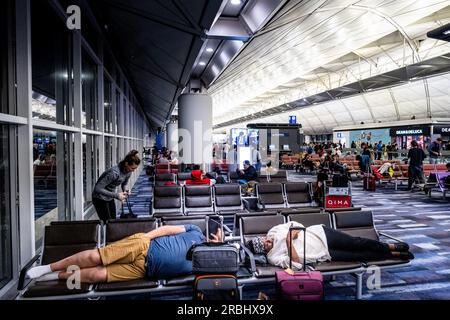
x,y
292,228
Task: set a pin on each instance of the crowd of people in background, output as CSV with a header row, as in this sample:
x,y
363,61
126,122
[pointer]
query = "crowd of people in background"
x,y
326,158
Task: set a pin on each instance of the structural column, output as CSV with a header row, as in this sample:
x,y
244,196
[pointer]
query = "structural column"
x,y
195,128
172,135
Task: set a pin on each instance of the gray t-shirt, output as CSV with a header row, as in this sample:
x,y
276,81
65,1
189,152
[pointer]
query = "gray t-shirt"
x,y
105,188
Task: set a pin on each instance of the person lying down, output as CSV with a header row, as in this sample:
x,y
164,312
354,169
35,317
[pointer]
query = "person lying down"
x,y
322,244
158,254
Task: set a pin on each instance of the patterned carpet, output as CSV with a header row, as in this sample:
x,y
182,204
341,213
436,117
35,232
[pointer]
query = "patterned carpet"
x,y
411,216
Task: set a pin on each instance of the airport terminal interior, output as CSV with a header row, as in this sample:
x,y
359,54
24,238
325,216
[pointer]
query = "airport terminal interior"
x,y
144,127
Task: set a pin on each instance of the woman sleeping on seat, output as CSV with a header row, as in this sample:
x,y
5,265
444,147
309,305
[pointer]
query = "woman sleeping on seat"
x,y
322,244
158,254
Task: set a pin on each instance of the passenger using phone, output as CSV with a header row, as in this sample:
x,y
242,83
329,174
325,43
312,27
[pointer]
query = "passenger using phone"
x,y
158,254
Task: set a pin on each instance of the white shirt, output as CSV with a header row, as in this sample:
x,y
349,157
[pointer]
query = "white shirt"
x,y
316,245
256,156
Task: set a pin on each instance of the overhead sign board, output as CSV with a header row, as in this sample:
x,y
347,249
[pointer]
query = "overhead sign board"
x,y
410,131
292,119
442,129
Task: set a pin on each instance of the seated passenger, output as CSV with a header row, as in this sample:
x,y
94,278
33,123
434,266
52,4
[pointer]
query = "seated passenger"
x,y
322,244
158,254
197,178
336,165
248,174
308,163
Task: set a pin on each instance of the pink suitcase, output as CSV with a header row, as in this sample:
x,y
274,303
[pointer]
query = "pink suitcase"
x,y
302,285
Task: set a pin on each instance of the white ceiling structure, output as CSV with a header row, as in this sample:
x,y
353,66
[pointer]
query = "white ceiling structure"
x,y
311,47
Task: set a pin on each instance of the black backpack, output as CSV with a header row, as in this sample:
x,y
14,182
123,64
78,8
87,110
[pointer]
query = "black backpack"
x,y
216,287
340,181
447,180
322,176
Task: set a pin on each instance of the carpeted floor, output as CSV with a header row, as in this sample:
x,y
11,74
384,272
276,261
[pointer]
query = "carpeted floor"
x,y
45,199
411,216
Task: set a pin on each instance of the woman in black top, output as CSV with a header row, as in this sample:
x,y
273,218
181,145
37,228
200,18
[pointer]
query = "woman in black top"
x,y
415,171
105,189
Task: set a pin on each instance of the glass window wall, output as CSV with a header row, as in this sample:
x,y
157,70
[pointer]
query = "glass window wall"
x,y
5,208
51,65
52,176
89,93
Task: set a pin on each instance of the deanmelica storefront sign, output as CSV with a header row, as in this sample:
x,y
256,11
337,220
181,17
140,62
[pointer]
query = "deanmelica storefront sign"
x,y
410,131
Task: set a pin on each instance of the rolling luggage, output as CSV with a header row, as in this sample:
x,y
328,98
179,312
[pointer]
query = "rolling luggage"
x,y
216,287
303,285
130,213
369,182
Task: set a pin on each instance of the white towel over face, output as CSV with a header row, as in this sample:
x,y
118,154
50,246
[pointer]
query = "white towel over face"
x,y
316,245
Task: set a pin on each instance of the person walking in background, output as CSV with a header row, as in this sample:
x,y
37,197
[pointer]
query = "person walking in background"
x,y
379,150
105,189
415,170
226,149
256,159
435,151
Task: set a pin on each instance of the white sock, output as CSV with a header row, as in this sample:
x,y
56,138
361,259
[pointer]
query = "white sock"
x,y
36,272
48,277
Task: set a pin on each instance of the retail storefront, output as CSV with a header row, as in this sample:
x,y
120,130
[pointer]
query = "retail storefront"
x,y
404,135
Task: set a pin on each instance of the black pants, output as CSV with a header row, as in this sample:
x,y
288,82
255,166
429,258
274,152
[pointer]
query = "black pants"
x,y
106,210
343,247
415,173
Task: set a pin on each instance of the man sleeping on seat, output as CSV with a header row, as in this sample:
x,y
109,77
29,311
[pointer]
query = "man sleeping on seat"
x,y
322,244
158,254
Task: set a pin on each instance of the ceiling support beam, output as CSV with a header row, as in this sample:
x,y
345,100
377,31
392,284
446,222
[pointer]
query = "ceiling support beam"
x,y
185,13
174,83
369,108
427,94
156,19
394,101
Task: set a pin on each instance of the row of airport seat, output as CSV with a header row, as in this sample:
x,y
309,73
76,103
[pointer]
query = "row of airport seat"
x,y
65,238
401,172
227,199
165,178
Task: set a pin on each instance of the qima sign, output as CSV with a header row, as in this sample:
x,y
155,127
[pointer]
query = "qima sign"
x,y
338,201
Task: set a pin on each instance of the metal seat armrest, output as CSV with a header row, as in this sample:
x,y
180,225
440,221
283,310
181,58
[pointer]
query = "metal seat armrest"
x,y
389,236
227,230
233,239
24,270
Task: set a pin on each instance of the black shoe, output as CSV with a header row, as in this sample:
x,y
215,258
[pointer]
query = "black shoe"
x,y
401,246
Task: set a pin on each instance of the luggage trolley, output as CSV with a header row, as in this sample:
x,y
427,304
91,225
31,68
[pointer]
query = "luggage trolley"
x,y
337,197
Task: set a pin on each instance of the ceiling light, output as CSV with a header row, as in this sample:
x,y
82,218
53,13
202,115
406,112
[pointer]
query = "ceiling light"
x,y
202,63
235,2
209,49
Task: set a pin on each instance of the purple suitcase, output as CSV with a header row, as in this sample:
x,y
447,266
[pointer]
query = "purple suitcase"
x,y
302,285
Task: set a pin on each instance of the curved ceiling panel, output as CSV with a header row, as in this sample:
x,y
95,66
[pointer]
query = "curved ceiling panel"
x,y
332,49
